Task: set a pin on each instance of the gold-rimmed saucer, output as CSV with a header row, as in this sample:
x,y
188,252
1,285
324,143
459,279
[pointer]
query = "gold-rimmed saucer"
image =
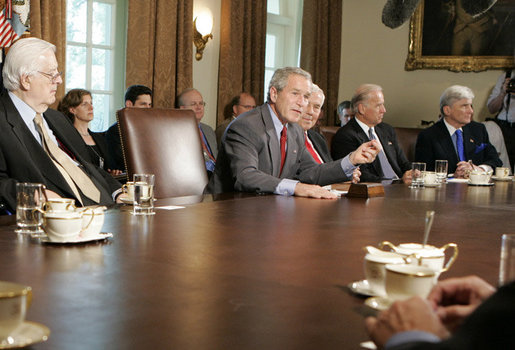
x,y
26,334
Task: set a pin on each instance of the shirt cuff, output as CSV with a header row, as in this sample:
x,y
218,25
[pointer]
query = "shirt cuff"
x,y
116,193
347,166
286,187
410,337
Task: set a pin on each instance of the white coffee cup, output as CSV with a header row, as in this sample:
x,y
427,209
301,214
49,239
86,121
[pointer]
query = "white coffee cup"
x,y
14,302
479,177
128,188
430,178
427,255
59,204
502,172
407,280
374,266
64,226
92,220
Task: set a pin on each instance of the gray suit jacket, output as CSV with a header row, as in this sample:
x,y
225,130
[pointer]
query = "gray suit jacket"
x,y
250,157
210,137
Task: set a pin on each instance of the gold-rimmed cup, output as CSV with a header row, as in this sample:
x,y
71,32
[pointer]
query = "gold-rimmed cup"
x,y
14,301
407,280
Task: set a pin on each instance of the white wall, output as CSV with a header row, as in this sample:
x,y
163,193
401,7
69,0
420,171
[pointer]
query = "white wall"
x,y
374,53
205,71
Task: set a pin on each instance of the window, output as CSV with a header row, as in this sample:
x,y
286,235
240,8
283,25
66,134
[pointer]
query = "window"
x,y
95,44
284,25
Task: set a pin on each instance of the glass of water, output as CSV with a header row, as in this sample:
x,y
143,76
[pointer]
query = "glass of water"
x,y
143,194
441,170
417,175
29,198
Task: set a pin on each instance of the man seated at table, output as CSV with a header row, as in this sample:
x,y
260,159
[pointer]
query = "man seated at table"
x,y
367,124
192,99
263,150
136,96
456,137
315,142
459,313
240,104
38,144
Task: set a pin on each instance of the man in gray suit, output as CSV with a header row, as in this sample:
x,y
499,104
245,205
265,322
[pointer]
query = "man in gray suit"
x,y
264,151
192,99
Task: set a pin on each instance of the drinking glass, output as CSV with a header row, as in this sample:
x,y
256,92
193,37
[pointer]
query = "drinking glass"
x,y
441,170
417,175
29,198
143,194
507,263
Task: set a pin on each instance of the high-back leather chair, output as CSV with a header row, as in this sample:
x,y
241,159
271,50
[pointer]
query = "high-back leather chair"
x,y
164,142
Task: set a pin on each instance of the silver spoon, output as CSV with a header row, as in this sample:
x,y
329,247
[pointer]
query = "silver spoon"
x,y
430,215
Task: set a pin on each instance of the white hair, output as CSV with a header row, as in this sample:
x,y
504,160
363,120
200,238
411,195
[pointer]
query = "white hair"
x,y
315,89
23,59
454,93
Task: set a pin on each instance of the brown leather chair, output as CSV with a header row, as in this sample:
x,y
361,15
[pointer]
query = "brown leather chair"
x,y
164,142
407,138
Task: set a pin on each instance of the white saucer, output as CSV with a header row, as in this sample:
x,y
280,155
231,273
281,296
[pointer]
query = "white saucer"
x,y
362,287
487,184
126,200
378,303
507,178
97,237
431,185
26,334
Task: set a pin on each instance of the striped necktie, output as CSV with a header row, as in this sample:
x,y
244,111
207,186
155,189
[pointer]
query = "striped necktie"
x,y
387,169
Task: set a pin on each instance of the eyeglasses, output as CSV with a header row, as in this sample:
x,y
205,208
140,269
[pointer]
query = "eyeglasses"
x,y
53,77
197,104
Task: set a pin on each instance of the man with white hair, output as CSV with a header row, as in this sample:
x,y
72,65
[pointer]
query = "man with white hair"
x,y
315,142
456,137
38,144
264,151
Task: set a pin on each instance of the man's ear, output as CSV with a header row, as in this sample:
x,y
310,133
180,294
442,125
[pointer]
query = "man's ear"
x,y
446,110
273,94
361,108
129,103
25,82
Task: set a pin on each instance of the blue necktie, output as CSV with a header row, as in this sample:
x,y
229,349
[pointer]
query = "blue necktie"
x,y
386,167
459,145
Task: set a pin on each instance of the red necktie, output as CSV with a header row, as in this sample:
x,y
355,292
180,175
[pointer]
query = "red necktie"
x,y
311,150
284,137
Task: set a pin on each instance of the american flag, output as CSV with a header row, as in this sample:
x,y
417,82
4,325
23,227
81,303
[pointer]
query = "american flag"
x,y
7,33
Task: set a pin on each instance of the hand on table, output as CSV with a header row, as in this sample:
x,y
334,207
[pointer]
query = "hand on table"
x,y
464,168
313,191
406,178
123,195
366,153
412,314
456,298
355,175
115,172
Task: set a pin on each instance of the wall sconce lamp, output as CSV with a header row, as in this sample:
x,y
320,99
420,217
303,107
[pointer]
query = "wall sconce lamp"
x,y
202,27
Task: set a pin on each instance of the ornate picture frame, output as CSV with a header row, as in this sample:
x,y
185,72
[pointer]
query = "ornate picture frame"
x,y
422,54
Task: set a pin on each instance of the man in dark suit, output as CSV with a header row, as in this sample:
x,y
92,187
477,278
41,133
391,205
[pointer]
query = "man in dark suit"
x,y
263,150
137,96
30,133
456,138
368,106
459,313
315,142
192,99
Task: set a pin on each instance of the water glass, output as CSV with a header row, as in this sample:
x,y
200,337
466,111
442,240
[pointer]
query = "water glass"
x,y
143,194
441,170
507,263
417,175
29,198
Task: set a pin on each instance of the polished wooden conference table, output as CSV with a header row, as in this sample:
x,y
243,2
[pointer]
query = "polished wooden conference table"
x,y
249,272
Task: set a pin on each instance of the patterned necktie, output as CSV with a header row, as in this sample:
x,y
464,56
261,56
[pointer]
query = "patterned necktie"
x,y
459,145
208,155
284,138
387,169
311,150
73,175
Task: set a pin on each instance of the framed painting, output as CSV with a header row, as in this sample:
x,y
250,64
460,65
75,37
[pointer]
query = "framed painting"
x,y
444,36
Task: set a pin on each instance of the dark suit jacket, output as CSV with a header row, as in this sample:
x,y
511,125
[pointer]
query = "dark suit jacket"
x,y
490,326
22,159
351,136
250,157
209,133
320,145
436,143
101,142
114,144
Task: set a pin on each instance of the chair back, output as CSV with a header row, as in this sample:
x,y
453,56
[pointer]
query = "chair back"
x,y
407,138
164,142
